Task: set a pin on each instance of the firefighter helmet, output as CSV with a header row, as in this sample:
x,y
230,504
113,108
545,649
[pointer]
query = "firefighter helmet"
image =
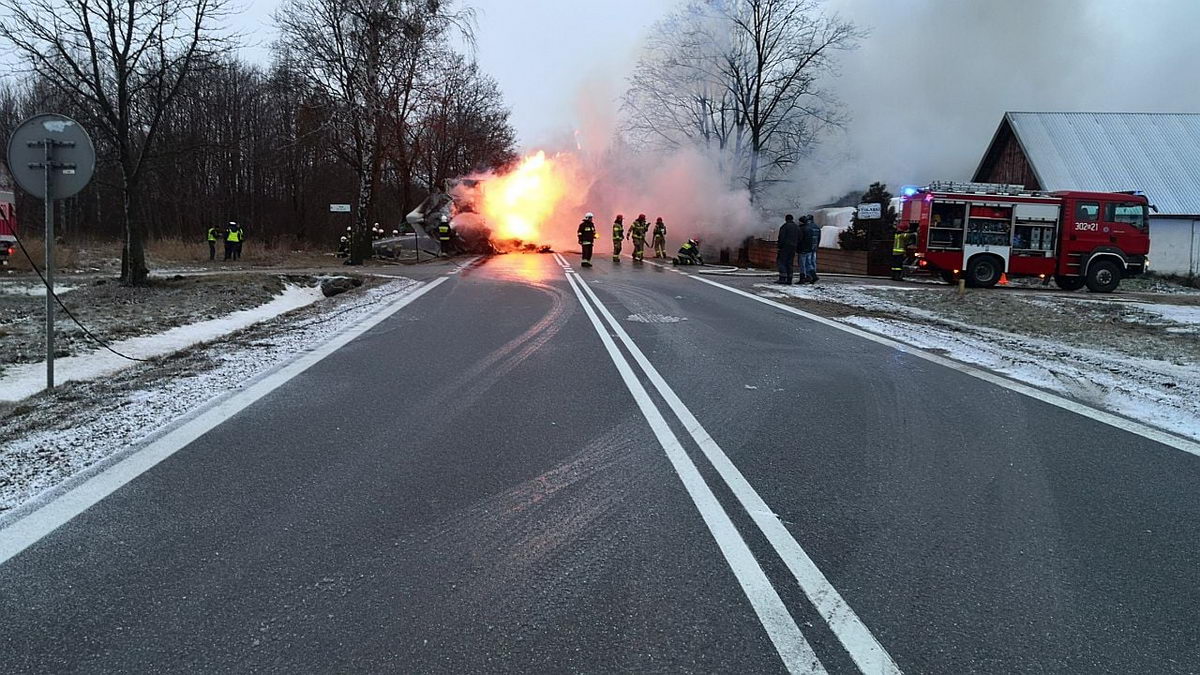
x,y
641,216
445,218
589,215
620,217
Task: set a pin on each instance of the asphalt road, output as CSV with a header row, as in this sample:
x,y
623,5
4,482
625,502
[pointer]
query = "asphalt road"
x,y
495,479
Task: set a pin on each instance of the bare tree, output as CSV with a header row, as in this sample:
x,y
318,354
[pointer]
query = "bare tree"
x,y
742,78
122,64
363,57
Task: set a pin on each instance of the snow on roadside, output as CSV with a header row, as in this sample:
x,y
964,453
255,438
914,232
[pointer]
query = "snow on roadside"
x,y
107,421
23,380
1158,392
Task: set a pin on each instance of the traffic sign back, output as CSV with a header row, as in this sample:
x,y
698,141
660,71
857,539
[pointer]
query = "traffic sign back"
x,y
73,157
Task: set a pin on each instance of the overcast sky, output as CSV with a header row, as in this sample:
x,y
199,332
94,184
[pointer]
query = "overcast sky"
x,y
925,92
542,52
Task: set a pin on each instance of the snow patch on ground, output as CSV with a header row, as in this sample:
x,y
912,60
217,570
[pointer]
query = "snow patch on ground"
x,y
116,415
33,290
654,318
26,379
1188,315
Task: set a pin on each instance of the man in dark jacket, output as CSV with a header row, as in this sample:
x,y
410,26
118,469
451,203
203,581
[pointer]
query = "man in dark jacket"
x,y
789,241
810,241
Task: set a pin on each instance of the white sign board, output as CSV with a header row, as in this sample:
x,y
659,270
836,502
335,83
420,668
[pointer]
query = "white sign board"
x,y
339,208
872,211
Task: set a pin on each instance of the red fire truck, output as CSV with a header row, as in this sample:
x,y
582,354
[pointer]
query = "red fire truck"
x,y
8,216
980,231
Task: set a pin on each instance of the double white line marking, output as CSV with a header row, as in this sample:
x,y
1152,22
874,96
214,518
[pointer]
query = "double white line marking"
x,y
793,648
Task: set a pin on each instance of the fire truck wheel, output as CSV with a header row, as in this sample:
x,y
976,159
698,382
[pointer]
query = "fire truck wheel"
x,y
1069,283
984,271
1103,276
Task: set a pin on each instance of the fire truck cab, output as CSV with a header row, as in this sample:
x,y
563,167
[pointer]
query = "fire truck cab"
x,y
981,231
8,216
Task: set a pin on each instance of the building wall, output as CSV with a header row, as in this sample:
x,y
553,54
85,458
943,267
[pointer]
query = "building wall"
x,y
1005,162
1175,245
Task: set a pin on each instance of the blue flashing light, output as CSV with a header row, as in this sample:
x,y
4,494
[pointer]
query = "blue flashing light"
x,y
908,191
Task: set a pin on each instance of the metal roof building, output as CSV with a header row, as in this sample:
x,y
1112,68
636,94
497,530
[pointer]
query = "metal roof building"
x,y
1156,153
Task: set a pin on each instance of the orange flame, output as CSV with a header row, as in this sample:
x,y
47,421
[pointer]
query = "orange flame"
x,y
518,204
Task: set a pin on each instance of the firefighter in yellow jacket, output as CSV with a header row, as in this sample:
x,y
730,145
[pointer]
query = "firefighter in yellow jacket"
x,y
618,236
660,239
637,233
900,243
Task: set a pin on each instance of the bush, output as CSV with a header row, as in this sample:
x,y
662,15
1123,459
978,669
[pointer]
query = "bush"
x,y
860,233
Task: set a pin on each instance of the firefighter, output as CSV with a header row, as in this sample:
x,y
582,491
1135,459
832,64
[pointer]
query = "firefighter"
x,y
899,251
660,239
618,236
232,239
343,248
587,237
637,234
689,253
443,233
214,233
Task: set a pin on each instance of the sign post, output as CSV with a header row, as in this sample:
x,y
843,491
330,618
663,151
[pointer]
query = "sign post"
x,y
870,211
51,157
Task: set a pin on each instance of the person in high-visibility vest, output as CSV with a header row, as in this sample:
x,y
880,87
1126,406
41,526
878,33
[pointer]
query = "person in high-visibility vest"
x,y
660,239
213,234
232,238
443,234
618,236
587,238
637,233
899,251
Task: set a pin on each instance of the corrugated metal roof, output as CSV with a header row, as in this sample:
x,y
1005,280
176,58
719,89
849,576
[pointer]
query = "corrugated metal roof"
x,y
1157,153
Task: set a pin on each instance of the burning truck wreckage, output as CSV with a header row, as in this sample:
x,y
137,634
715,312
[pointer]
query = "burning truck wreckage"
x,y
512,210
536,204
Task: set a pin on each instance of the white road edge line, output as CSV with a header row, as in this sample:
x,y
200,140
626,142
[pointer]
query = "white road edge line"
x,y
29,529
1143,430
797,654
868,654
458,267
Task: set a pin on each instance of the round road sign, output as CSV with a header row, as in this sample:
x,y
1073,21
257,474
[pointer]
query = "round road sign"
x,y
72,157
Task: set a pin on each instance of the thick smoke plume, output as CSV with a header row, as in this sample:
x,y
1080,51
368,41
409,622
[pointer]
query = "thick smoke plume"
x,y
928,88
592,170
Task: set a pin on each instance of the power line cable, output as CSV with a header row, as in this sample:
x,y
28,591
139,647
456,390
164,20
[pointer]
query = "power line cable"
x,y
57,299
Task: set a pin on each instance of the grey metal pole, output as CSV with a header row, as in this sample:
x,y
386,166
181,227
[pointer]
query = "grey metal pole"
x,y
48,167
416,244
